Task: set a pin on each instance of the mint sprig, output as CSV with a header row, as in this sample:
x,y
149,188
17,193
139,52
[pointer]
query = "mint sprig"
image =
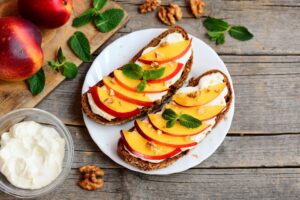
x,y
104,21
218,27
80,46
36,83
67,68
134,71
184,119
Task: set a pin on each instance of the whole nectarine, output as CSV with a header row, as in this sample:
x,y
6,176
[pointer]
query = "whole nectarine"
x,y
21,55
46,13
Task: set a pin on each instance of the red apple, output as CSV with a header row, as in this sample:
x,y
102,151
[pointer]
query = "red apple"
x,y
46,13
21,55
96,97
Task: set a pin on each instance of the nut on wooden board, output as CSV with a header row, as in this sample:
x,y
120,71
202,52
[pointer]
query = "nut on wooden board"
x,y
91,177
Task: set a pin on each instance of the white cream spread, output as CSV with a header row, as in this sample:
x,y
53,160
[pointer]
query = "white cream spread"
x,y
31,155
205,82
171,38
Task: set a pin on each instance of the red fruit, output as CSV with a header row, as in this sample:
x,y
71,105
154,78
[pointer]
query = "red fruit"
x,y
21,55
46,13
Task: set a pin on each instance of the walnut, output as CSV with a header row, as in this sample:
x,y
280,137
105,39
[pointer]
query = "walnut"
x,y
197,7
169,15
193,94
154,65
108,101
149,5
91,177
164,44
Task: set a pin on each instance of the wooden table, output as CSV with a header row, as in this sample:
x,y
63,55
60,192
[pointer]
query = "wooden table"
x,y
260,157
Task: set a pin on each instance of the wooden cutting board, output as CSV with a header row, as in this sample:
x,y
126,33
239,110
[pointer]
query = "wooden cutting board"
x,y
15,95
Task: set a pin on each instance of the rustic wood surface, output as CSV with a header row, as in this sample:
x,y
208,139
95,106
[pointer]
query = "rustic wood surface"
x,y
260,157
16,94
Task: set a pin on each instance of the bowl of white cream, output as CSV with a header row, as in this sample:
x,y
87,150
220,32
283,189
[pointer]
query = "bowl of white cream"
x,y
36,152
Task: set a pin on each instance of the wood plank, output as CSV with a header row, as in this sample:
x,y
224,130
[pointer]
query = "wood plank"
x,y
259,98
235,152
15,95
271,22
192,184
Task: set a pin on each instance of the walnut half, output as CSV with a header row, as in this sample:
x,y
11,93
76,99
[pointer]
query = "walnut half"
x,y
91,177
169,15
197,7
149,6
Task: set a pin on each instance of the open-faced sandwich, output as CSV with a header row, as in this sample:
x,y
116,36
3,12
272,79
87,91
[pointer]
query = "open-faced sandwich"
x,y
165,136
153,74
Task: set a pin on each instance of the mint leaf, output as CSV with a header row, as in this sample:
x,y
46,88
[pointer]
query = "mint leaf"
x,y
218,37
240,33
108,20
169,114
36,83
153,74
189,121
141,86
213,24
98,4
85,18
70,70
80,46
54,65
60,56
171,123
133,71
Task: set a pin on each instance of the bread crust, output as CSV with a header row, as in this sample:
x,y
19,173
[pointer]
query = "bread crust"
x,y
148,166
173,88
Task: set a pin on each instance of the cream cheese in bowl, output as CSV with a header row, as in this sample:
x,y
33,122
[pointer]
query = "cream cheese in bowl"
x,y
31,155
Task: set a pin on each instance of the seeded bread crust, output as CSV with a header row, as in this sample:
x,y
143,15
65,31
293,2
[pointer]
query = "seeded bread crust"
x,y
148,166
173,88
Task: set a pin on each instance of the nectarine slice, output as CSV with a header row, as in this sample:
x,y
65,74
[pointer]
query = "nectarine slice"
x,y
171,70
112,104
147,131
131,84
200,112
127,95
144,148
177,130
163,54
202,97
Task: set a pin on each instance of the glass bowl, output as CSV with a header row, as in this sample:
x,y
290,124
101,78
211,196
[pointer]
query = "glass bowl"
x,y
47,119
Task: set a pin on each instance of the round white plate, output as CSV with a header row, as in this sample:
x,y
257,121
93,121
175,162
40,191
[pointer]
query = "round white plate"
x,y
119,53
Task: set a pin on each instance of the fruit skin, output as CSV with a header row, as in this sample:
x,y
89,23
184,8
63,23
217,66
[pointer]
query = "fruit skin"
x,y
21,54
95,94
46,13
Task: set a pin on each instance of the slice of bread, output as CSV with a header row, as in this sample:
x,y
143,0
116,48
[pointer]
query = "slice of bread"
x,y
148,166
173,88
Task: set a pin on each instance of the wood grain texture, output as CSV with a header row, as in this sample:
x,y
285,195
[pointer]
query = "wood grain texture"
x,y
15,95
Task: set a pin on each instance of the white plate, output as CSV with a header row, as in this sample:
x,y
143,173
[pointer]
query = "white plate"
x,y
119,53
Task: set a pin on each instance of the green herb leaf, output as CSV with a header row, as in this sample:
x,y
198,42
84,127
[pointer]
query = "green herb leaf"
x,y
98,4
141,86
213,24
218,37
36,83
154,74
54,65
80,46
171,123
169,114
109,20
240,33
189,121
85,18
70,70
60,56
133,71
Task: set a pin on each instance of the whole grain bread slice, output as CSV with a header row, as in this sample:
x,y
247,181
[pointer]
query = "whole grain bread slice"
x,y
173,88
148,166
